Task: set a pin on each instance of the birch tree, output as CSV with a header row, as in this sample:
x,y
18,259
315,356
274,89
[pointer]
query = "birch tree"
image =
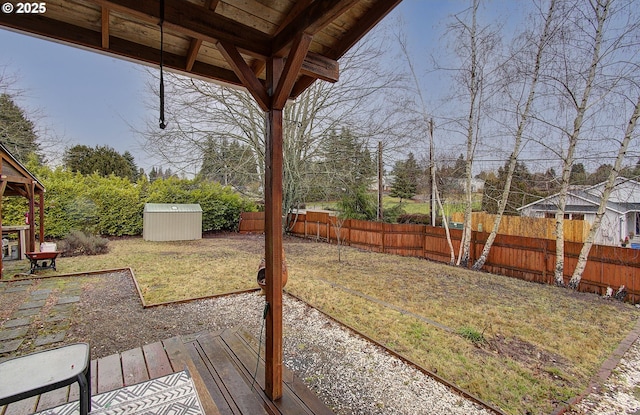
x,y
475,47
608,187
526,84
581,58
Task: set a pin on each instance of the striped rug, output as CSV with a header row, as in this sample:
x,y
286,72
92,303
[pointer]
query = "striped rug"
x,y
169,395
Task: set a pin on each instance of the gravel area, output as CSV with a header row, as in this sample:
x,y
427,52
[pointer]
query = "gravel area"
x,y
350,374
620,394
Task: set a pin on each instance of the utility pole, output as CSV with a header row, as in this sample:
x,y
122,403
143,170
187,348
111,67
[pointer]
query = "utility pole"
x,y
380,185
432,175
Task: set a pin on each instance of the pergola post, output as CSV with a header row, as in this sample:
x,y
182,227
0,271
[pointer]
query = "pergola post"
x,y
41,211
32,216
273,236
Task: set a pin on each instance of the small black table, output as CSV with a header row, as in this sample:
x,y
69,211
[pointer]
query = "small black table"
x,y
40,372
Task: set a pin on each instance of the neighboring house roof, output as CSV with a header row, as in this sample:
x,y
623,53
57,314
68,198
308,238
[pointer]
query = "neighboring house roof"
x,y
591,198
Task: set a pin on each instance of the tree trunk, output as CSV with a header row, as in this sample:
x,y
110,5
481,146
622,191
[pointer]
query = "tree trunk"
x,y
601,11
472,125
518,140
452,260
613,175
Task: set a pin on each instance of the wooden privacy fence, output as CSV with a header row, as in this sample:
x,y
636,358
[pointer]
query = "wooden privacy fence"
x,y
530,259
545,228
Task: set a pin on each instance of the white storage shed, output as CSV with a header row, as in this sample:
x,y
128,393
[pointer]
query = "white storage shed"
x,y
172,222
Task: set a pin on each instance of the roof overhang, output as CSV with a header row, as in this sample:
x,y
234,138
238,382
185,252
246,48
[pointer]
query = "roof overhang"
x,y
223,41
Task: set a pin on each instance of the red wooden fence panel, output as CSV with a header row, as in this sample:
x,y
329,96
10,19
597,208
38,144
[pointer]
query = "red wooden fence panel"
x,y
530,259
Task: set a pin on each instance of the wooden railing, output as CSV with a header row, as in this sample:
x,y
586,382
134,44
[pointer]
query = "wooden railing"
x,y
530,259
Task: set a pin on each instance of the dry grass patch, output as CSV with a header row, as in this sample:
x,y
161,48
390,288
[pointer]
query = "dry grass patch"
x,y
539,345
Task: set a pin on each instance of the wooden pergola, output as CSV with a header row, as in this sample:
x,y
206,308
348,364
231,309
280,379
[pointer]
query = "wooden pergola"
x,y
16,180
274,48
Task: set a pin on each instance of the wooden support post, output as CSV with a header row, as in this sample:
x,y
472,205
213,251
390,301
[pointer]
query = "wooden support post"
x,y
41,211
3,186
32,218
273,238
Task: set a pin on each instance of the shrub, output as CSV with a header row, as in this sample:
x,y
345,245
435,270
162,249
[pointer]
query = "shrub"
x,y
82,243
391,215
418,219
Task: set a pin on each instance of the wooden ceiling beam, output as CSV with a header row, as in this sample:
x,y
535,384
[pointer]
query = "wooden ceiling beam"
x,y
192,53
86,38
194,21
291,70
365,23
312,19
194,46
105,27
246,75
303,83
204,24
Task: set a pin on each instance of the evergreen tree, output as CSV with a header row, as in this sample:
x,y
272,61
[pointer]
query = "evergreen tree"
x,y
17,132
523,190
102,160
346,167
135,172
228,162
600,175
578,175
406,174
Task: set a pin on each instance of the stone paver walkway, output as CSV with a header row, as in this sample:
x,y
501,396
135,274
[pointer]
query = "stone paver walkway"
x,y
23,331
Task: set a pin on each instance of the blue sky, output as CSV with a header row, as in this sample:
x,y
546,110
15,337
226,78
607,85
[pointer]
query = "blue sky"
x,y
93,99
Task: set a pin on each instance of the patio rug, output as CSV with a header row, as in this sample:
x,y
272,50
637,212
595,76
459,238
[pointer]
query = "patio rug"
x,y
168,395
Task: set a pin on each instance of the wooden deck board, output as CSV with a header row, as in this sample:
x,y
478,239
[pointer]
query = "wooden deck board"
x,y
53,398
221,365
134,368
109,373
157,361
221,397
25,406
290,402
232,380
180,360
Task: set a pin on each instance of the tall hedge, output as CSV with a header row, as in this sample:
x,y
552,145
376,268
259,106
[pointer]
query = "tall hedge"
x,y
113,206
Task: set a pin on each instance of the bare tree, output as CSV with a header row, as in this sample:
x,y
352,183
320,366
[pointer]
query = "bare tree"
x,y
475,47
197,110
523,82
600,12
609,185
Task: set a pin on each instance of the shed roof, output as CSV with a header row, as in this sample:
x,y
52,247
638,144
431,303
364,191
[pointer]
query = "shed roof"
x,y
171,207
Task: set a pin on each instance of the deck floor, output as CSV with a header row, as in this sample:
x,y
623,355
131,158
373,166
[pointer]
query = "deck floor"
x,y
221,364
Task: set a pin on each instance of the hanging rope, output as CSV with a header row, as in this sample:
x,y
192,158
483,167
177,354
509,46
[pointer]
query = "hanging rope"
x,y
162,123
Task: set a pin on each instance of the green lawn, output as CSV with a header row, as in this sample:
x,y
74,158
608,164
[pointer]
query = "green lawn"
x,y
410,206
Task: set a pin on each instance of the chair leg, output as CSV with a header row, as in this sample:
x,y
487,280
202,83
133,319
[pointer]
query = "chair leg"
x,y
84,381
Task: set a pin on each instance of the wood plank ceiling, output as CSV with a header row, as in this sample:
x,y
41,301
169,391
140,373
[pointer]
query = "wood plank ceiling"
x,y
225,41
